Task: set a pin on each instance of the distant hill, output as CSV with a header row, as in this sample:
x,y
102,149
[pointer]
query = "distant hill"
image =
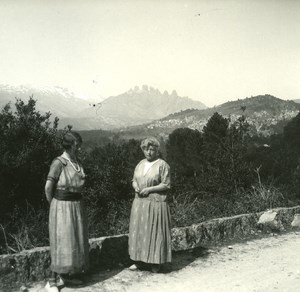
x,y
265,113
146,111
59,101
135,106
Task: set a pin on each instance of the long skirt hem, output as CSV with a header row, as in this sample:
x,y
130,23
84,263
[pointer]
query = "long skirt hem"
x,y
150,232
69,246
68,270
144,260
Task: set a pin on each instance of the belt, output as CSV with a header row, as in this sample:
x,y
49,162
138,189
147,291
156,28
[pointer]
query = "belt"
x,y
63,195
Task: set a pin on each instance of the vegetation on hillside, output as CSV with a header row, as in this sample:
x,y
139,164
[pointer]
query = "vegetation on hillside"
x,y
220,171
266,115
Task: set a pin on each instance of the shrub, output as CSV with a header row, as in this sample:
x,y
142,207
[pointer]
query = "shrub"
x,y
27,228
28,143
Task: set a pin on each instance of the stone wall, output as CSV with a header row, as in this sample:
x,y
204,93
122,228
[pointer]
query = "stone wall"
x,y
106,252
237,227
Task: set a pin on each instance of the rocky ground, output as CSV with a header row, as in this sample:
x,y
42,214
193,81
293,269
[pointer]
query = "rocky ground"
x,y
266,264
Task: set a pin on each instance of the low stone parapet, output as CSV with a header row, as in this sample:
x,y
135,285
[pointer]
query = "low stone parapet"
x,y
33,265
214,231
296,221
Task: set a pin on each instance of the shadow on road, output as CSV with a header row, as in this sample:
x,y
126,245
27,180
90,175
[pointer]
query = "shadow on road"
x,y
96,275
181,259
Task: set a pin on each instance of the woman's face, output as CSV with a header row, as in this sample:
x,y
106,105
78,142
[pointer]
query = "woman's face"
x,y
76,148
150,153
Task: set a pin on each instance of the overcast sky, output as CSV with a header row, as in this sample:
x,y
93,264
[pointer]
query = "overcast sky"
x,y
212,51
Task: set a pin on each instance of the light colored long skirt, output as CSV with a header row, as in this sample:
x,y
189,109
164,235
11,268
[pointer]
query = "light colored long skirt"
x,y
150,232
69,246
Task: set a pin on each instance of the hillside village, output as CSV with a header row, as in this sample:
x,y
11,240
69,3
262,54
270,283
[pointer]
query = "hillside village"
x,y
263,114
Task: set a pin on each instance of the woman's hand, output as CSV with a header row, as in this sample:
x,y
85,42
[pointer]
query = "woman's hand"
x,y
145,192
49,190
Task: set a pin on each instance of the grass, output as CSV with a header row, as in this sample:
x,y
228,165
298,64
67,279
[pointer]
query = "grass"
x,y
28,227
116,221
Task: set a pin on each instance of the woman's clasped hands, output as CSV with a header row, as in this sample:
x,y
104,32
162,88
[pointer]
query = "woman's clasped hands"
x,y
143,193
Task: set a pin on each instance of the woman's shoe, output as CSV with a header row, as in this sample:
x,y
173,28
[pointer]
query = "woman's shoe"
x,y
60,281
72,281
155,268
51,287
133,267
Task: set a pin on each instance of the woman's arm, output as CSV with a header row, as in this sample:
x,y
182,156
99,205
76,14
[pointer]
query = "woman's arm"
x,y
52,178
134,182
155,189
49,190
165,184
135,186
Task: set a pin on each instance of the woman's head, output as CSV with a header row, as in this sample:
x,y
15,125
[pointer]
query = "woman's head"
x,y
150,147
71,141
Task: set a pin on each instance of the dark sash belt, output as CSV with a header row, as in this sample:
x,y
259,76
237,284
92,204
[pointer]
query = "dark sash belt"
x,y
67,196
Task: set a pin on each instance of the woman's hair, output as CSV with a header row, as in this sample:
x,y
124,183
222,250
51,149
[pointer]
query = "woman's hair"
x,y
151,141
69,139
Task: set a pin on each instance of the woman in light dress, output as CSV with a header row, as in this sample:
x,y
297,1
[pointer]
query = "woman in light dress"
x,y
150,220
68,233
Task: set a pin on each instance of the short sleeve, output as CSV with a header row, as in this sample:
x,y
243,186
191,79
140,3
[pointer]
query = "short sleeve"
x,y
134,179
55,170
165,174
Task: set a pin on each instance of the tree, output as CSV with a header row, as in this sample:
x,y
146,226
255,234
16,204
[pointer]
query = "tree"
x,y
109,172
28,143
184,148
225,164
215,129
291,133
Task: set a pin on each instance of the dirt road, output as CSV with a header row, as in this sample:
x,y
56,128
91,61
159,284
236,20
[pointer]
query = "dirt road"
x,y
267,264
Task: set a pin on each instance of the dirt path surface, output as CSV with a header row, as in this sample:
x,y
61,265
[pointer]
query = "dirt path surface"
x,y
267,264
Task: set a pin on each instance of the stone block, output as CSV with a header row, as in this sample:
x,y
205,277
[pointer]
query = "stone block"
x,y
179,239
296,221
268,221
286,215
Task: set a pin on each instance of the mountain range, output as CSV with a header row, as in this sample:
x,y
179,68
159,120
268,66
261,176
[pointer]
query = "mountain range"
x,y
135,106
146,111
266,115
57,100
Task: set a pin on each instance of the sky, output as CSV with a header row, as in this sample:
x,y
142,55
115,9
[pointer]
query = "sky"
x,y
212,51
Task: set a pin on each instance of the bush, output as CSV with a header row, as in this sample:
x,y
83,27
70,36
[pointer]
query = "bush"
x,y
108,193
27,228
189,208
28,143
